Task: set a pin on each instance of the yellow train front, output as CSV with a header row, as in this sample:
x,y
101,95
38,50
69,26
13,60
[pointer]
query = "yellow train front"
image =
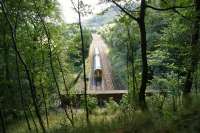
x,y
97,67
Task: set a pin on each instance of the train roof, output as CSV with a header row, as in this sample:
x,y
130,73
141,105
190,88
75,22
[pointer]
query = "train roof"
x,y
97,62
96,51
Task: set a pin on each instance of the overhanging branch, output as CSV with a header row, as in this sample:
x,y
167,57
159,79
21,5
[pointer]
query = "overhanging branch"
x,y
174,9
169,8
125,11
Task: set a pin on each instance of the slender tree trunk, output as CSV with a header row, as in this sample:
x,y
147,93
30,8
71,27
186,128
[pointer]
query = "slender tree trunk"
x,y
132,62
63,77
6,59
83,61
134,81
142,101
6,78
43,92
196,84
34,123
195,49
174,104
45,104
27,120
3,125
21,94
66,88
127,60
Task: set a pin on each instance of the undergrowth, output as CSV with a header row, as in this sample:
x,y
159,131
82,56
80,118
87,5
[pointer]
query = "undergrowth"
x,y
113,119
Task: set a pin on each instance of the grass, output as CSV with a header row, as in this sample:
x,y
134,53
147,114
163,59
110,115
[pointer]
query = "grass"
x,y
112,120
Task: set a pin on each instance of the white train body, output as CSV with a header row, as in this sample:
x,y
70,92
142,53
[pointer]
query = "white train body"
x,y
97,65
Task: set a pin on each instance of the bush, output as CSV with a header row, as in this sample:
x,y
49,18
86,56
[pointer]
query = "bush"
x,y
112,106
92,103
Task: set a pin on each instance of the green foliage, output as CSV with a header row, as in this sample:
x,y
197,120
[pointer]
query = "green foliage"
x,y
115,34
112,106
168,38
74,44
32,44
169,53
91,102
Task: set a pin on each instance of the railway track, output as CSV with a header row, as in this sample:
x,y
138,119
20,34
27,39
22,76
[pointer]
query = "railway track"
x,y
107,78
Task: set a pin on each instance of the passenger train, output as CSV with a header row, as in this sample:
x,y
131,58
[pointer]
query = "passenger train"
x,y
97,66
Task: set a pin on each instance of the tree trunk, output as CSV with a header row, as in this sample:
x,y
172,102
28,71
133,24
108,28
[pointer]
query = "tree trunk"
x,y
141,22
127,60
83,61
43,92
194,50
34,123
134,81
62,73
2,122
45,104
21,93
27,120
6,60
131,46
66,88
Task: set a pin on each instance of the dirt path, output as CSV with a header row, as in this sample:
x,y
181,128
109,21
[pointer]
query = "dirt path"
x,y
107,78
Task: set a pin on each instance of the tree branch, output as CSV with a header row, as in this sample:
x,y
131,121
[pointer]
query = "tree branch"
x,y
177,12
125,11
186,18
169,8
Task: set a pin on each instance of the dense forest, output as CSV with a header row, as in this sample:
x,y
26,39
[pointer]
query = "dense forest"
x,y
46,70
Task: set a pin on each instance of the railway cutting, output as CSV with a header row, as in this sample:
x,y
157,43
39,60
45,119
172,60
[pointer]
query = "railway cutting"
x,y
101,83
101,78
